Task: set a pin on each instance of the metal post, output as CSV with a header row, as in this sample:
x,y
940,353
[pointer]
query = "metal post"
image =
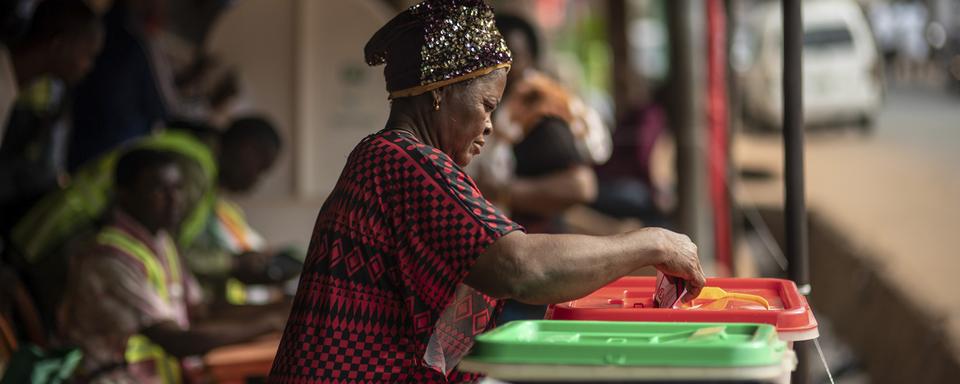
x,y
795,210
620,47
796,213
687,81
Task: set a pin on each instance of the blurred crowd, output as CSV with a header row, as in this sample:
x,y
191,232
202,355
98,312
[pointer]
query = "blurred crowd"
x,y
122,151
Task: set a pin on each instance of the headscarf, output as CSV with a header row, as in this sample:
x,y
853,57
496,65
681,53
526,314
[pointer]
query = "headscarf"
x,y
437,43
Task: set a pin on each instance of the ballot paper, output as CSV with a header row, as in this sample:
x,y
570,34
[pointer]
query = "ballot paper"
x,y
669,291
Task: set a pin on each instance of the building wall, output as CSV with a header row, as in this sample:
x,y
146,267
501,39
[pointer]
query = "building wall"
x,y
301,63
341,99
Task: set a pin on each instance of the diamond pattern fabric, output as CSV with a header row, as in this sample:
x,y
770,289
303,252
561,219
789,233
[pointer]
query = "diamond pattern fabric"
x,y
381,297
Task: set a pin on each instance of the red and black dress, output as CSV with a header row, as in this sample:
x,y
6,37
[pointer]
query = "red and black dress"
x,y
382,298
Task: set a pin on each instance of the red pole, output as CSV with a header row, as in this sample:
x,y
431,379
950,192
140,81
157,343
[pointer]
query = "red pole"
x,y
717,125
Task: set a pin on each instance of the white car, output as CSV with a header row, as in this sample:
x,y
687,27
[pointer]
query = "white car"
x,y
842,73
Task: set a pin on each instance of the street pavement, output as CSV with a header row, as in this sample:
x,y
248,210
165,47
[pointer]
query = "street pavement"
x,y
894,193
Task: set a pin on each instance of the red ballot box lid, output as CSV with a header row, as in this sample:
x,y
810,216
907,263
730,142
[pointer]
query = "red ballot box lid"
x,y
631,299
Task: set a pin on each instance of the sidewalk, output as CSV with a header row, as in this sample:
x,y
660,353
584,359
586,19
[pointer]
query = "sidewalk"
x,y
897,211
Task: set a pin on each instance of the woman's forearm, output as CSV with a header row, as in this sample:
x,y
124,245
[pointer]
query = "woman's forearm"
x,y
552,193
546,269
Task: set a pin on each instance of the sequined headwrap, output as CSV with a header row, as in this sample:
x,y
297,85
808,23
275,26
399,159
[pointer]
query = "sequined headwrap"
x,y
437,43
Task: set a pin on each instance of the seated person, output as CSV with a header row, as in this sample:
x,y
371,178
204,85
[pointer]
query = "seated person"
x,y
37,70
60,223
229,252
212,163
122,97
627,186
541,156
60,41
130,299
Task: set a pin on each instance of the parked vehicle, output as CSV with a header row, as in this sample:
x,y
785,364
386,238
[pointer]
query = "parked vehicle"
x,y
842,69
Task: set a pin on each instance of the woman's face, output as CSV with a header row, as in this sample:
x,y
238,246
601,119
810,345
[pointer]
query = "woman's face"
x,y
465,115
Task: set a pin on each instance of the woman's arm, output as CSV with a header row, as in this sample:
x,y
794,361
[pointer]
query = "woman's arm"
x,y
552,193
547,269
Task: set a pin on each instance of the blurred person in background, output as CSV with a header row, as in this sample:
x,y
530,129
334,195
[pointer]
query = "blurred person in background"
x,y
157,48
205,89
626,187
54,51
214,164
15,16
61,42
540,161
198,85
229,251
121,98
132,305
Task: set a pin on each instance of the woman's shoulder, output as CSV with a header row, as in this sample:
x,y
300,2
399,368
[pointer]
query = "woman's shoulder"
x,y
386,138
398,156
379,146
393,137
400,145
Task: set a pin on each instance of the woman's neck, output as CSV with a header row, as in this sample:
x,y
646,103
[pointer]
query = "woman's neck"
x,y
407,116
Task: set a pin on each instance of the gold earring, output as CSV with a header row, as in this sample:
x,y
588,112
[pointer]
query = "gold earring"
x,y
436,103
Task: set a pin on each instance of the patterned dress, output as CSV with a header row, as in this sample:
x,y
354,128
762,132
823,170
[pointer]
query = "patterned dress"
x,y
382,298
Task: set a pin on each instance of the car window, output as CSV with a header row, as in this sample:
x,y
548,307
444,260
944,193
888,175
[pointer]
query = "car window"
x,y
827,38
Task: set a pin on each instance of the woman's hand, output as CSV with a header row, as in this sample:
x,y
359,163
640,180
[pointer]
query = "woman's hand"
x,y
677,256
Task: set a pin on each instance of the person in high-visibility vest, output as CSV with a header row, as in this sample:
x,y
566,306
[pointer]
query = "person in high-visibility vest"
x,y
53,227
130,298
229,250
214,164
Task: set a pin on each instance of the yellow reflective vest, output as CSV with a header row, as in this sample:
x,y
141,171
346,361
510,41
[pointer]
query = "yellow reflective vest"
x,y
63,214
139,348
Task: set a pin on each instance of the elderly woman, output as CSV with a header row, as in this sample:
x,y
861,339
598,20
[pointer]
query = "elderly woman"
x,y
408,261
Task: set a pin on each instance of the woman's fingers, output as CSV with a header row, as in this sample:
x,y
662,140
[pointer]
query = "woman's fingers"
x,y
692,292
683,261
